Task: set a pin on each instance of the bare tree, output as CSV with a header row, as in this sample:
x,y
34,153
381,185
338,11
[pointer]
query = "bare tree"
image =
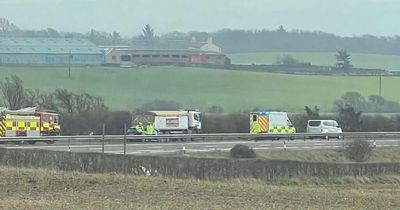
x,y
13,92
65,100
32,97
312,114
147,33
6,26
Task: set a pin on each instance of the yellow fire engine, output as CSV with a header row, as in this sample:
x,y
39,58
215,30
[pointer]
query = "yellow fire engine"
x,y
28,122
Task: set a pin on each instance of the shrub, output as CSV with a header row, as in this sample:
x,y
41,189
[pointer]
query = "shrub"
x,y
158,105
216,109
225,123
242,151
358,150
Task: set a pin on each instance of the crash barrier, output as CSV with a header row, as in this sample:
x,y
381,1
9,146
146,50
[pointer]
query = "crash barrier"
x,y
206,137
188,167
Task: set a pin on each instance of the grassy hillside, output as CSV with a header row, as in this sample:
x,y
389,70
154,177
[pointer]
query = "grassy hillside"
x,y
390,62
125,89
45,189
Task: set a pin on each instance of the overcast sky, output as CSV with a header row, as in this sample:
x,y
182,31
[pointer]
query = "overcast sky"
x,y
342,17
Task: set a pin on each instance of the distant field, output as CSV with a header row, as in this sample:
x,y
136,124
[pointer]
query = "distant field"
x,y
125,89
389,62
46,189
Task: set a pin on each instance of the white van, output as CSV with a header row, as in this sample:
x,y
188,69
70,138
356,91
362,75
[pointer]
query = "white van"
x,y
324,126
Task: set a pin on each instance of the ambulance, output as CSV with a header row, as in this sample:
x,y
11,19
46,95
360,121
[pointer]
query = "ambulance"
x,y
271,122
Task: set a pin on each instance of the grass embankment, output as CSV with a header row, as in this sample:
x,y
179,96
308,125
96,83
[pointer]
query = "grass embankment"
x,y
126,89
44,189
327,155
359,60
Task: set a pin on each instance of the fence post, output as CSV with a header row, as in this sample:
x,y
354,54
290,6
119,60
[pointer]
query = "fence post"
x,y
343,145
103,131
124,138
183,148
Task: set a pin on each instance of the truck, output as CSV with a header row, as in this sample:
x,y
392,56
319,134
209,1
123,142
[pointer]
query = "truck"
x,y
29,122
271,122
171,122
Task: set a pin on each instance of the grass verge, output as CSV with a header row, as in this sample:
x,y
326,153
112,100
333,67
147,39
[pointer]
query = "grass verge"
x,y
388,154
45,189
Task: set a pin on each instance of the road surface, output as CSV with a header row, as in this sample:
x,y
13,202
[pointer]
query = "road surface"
x,y
146,148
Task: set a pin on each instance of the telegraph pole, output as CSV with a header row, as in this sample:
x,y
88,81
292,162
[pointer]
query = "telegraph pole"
x,y
69,64
380,84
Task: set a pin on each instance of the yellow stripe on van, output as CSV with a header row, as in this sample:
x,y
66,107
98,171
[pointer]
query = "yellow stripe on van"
x,y
263,120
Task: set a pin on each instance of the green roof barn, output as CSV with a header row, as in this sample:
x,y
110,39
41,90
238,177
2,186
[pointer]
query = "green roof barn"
x,y
49,51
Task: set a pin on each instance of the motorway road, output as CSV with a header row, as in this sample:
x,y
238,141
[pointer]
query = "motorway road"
x,y
146,148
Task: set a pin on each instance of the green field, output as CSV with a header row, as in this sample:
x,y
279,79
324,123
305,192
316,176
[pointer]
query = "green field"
x,y
126,89
374,61
46,189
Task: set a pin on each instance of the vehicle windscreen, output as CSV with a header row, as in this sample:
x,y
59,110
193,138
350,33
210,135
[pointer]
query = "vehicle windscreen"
x,y
330,123
197,117
314,123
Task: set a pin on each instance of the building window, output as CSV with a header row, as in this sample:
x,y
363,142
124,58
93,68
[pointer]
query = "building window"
x,y
175,56
155,56
125,58
165,56
146,56
135,56
114,58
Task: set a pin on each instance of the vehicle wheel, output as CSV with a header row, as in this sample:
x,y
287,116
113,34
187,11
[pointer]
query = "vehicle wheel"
x,y
50,142
31,142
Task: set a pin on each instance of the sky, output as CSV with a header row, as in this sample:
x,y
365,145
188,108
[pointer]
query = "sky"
x,y
341,17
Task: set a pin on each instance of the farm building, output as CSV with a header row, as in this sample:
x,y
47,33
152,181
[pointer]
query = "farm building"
x,y
160,57
49,51
112,53
192,45
144,52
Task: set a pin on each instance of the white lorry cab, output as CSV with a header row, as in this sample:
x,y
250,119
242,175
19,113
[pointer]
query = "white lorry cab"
x,y
271,122
170,122
324,127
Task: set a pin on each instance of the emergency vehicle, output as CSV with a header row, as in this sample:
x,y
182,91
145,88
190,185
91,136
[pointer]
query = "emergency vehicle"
x,y
271,122
28,122
171,122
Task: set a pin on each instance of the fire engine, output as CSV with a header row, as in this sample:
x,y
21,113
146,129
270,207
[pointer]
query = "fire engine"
x,y
28,122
